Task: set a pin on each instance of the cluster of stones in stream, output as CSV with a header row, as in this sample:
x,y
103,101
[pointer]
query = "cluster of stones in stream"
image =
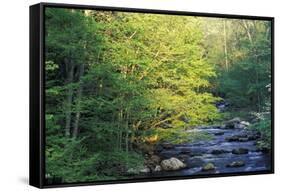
x,y
211,167
249,136
185,153
154,162
234,164
235,123
237,151
151,164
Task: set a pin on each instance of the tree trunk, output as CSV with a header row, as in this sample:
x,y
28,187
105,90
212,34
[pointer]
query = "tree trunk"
x,y
120,129
70,73
127,132
248,32
78,102
225,45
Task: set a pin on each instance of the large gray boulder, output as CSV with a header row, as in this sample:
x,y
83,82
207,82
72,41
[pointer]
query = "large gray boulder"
x,y
172,164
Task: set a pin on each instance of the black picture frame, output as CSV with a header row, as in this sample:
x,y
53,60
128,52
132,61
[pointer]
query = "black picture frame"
x,y
37,94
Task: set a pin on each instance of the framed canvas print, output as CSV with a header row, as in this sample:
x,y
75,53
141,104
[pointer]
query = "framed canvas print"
x,y
130,95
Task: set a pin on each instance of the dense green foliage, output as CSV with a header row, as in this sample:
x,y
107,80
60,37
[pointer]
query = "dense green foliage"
x,y
243,65
117,82
245,71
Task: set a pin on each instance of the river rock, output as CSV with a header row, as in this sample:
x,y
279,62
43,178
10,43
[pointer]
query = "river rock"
x,y
244,134
254,136
239,126
245,123
172,164
168,146
209,167
196,154
240,151
218,133
132,171
155,159
218,151
232,123
243,139
183,157
236,164
185,151
145,170
146,148
157,168
232,138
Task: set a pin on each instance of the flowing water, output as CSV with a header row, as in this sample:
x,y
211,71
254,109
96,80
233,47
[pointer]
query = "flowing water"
x,y
197,154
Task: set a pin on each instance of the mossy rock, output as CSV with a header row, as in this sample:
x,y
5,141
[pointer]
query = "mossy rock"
x,y
209,167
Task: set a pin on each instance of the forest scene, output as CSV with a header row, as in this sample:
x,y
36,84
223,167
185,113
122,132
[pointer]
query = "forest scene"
x,y
139,95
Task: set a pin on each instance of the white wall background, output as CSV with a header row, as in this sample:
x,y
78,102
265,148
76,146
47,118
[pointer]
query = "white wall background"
x,y
14,51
